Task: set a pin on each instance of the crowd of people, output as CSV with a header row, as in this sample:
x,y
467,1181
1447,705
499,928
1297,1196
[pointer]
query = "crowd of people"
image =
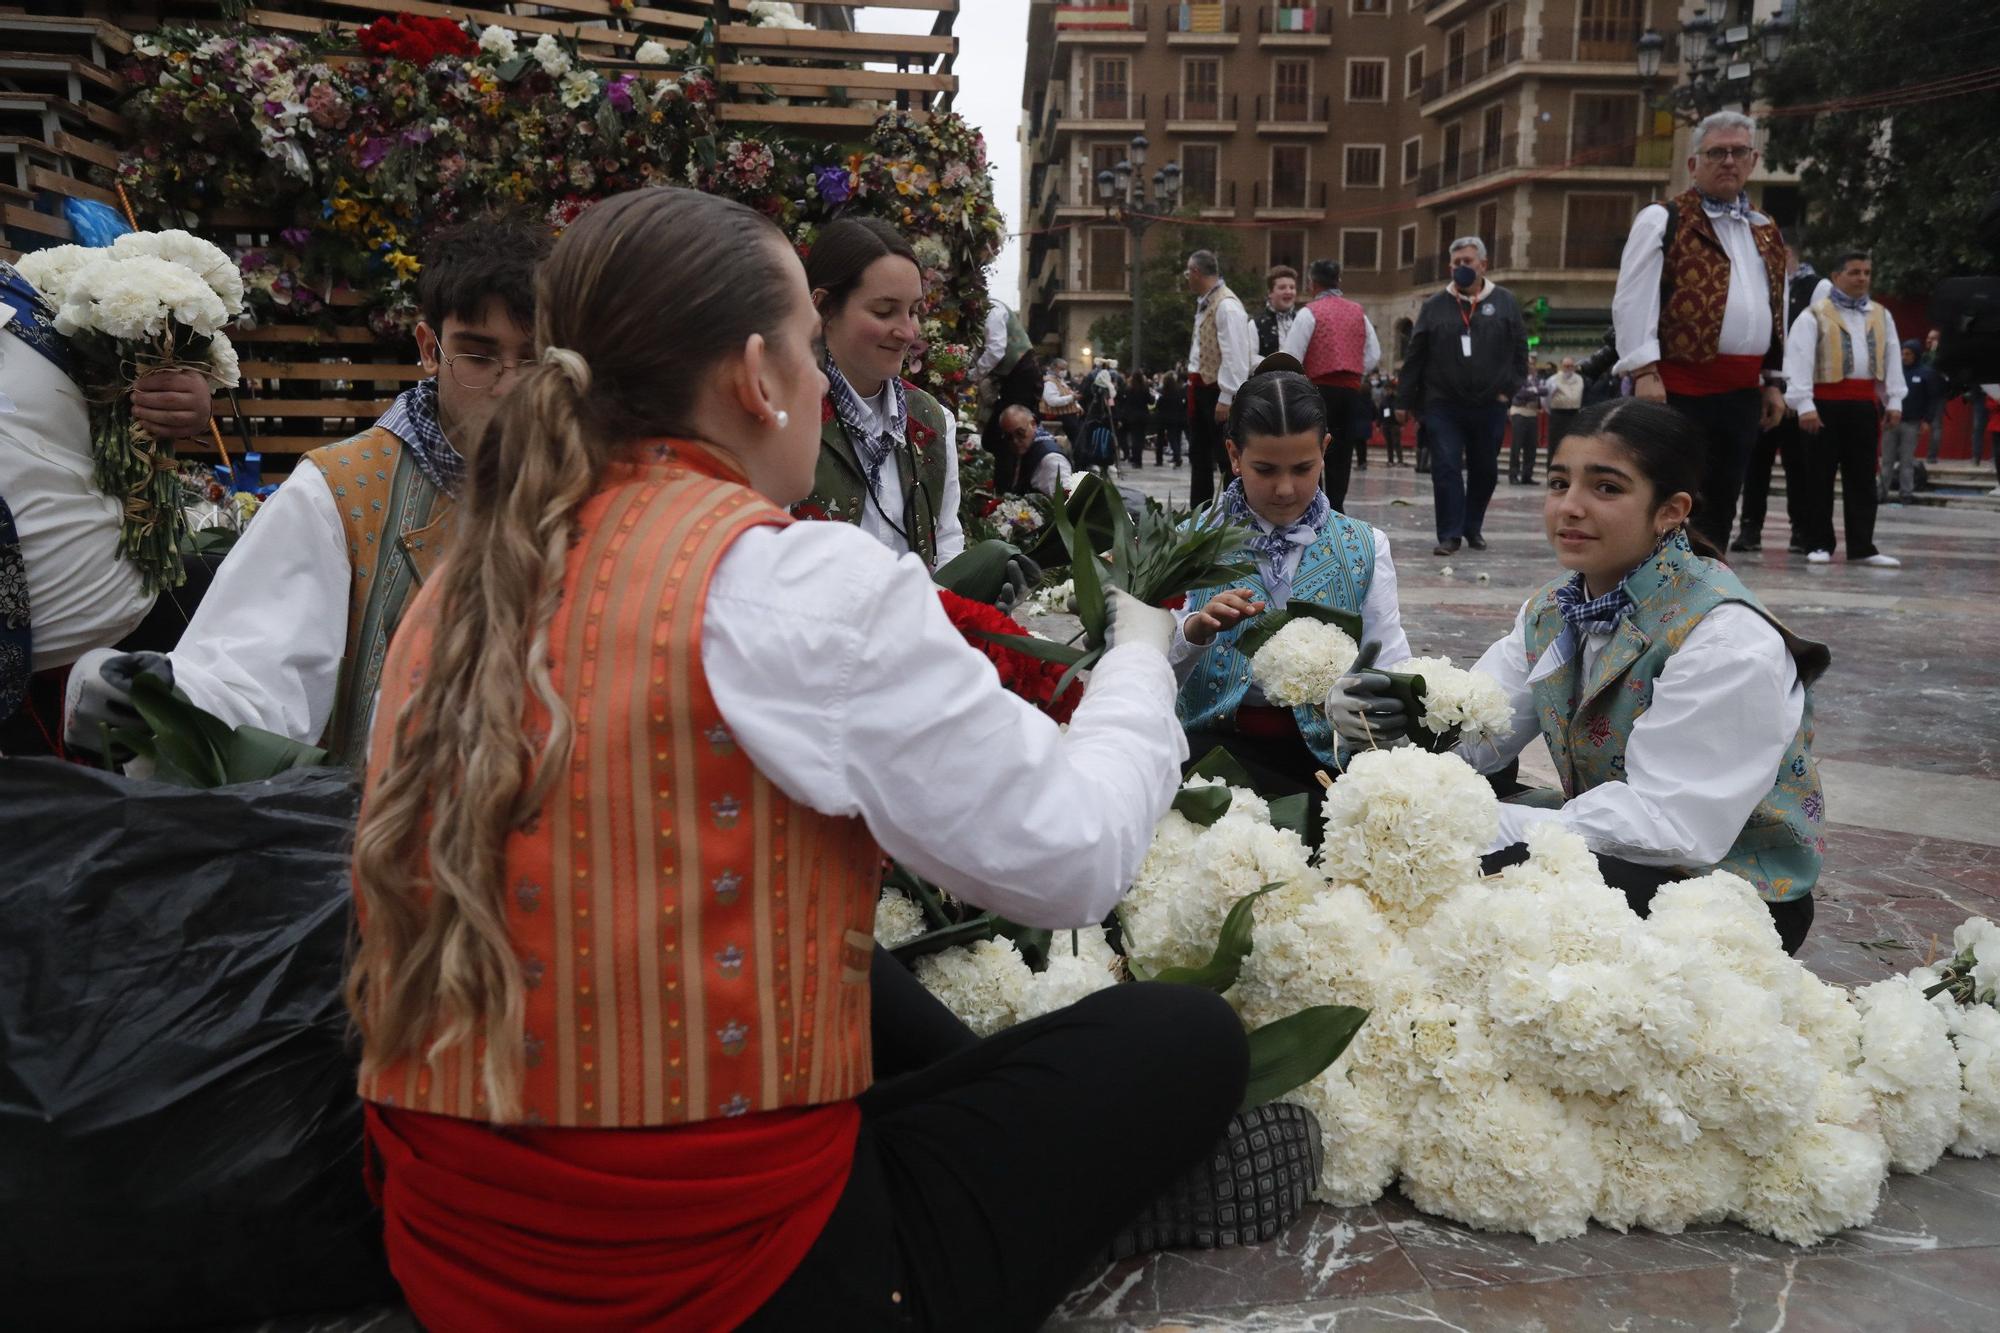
x,y
636,640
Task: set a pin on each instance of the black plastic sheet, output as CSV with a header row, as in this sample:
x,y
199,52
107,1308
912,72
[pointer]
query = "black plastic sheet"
x,y
180,1140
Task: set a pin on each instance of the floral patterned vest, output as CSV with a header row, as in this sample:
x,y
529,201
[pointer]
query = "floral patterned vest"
x,y
840,485
696,945
1781,846
1695,285
398,528
1334,571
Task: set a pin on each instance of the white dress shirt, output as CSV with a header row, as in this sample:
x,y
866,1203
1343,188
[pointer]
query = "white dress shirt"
x,y
1236,339
996,342
1635,306
265,646
1052,474
1301,335
1802,359
835,667
883,520
1566,392
1381,614
81,593
1699,759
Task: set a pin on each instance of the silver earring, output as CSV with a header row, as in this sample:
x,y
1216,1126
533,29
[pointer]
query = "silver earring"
x,y
784,418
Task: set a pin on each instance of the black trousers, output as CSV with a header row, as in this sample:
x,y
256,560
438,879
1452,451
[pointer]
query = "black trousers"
x,y
984,1184
1850,436
1132,443
1169,437
1524,442
1639,883
909,1028
1778,447
1559,423
1730,422
1347,423
1206,455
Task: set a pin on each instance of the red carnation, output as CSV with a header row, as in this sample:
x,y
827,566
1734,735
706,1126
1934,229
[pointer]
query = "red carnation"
x,y
1029,677
811,512
415,38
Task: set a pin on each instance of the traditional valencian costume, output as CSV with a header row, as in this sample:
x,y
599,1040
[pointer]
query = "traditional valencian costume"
x,y
890,464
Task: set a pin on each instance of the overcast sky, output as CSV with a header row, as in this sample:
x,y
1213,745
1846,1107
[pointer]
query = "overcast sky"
x,y
992,44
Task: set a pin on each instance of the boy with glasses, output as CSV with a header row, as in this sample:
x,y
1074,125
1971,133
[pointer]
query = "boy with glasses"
x,y
292,635
1700,313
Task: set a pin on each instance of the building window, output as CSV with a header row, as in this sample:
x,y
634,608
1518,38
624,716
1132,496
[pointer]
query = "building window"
x,y
1606,29
1103,157
1413,158
1406,245
1594,227
1603,130
1360,249
1492,137
1288,176
1291,84
1107,260
1453,149
1288,246
1413,72
1454,57
1364,167
1201,89
1367,80
1447,232
1199,187
1110,88
1489,232
1496,32
1368,6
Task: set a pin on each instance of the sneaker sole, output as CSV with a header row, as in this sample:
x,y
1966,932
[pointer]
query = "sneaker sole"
x,y
1251,1187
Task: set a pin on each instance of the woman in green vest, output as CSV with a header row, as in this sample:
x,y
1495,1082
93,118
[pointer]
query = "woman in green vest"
x,y
888,458
1677,709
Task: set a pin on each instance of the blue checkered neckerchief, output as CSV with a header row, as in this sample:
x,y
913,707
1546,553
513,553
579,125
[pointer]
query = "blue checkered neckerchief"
x,y
413,419
1584,616
1858,304
1272,544
34,321
1738,208
873,447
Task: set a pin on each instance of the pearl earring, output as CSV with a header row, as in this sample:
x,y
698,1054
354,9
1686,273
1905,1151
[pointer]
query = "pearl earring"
x,y
784,418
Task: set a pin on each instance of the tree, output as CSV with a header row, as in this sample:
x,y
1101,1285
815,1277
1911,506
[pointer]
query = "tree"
x,y
1903,181
1168,316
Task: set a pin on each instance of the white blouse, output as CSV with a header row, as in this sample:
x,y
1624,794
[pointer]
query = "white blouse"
x,y
1635,305
882,521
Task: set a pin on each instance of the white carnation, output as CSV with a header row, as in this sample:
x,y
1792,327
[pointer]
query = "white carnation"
x,y
223,367
652,53
577,87
1066,980
1300,663
1909,1063
202,258
51,271
1975,1033
1328,946
135,299
897,920
1654,1176
985,983
1054,600
1753,1078
1361,1124
1826,1176
1408,827
548,53
776,14
499,43
1502,1155
1982,938
1455,697
1192,876
1086,942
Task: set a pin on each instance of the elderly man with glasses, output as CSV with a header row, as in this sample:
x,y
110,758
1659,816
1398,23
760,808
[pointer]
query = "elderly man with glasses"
x,y
291,636
1700,312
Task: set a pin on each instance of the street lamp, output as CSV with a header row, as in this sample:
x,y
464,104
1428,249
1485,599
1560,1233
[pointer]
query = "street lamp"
x,y
1720,63
1122,190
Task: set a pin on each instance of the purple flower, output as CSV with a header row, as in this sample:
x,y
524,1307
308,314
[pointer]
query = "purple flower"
x,y
373,151
619,92
296,237
832,183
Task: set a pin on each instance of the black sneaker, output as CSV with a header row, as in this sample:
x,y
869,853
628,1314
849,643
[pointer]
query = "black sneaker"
x,y
1250,1188
1747,542
1475,541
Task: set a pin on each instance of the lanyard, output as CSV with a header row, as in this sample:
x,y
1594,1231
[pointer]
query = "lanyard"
x,y
1464,311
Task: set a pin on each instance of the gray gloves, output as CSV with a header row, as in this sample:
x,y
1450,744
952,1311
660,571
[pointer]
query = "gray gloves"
x,y
1132,621
1020,579
1360,707
100,693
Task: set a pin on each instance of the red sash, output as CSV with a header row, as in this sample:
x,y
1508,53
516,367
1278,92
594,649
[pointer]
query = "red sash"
x,y
1725,374
1845,391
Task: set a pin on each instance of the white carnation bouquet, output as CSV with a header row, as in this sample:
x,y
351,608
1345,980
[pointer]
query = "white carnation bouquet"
x,y
152,301
1301,662
1458,706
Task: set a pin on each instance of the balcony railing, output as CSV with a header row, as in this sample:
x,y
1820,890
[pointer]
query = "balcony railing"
x,y
1219,108
1595,250
1096,106
1204,20
1295,20
1302,195
1482,161
1078,16
1304,111
1223,196
1547,152
1475,65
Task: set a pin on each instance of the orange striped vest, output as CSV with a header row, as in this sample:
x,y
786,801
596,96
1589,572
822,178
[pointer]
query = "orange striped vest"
x,y
696,945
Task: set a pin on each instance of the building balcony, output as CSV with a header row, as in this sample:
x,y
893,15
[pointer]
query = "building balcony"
x,y
1289,201
1295,25
1204,25
1219,201
1081,23
1551,157
1440,11
1214,115
1294,115
1597,51
1097,114
1093,296
1585,256
1474,67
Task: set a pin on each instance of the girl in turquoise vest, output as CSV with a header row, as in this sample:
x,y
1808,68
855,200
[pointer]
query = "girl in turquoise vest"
x,y
1306,551
1677,709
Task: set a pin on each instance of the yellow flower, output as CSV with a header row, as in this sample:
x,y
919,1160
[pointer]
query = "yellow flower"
x,y
405,265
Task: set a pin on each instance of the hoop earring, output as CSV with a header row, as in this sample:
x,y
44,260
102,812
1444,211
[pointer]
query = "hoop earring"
x,y
783,419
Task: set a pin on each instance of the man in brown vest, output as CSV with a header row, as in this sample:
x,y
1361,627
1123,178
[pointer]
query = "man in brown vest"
x,y
1700,312
1218,363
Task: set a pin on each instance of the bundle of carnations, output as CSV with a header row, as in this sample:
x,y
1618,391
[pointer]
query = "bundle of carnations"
x,y
1538,1056
1299,653
992,632
153,301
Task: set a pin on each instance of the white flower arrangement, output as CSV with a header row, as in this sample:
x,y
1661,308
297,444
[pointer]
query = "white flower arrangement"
x,y
500,44
1457,698
1055,600
1909,1063
985,984
51,271
206,260
137,299
777,14
897,920
1300,663
549,54
1408,829
578,87
652,53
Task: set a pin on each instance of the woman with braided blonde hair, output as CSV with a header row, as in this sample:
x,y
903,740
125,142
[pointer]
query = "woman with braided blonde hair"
x,y
641,745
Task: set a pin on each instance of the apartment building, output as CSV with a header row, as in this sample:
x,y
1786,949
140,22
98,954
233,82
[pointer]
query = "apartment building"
x,y
1368,131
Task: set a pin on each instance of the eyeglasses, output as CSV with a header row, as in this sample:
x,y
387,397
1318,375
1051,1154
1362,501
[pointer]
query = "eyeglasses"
x,y
470,370
1739,153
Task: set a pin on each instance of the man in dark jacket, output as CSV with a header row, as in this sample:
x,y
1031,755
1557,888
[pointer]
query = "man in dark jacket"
x,y
1899,442
1467,356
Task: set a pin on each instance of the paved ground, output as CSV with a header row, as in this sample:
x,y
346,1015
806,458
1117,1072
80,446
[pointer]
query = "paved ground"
x,y
1909,743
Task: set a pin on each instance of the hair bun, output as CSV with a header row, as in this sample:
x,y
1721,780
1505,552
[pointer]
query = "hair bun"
x,y
1279,361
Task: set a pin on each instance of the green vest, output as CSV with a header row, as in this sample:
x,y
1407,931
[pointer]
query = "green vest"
x,y
1782,844
1017,346
840,484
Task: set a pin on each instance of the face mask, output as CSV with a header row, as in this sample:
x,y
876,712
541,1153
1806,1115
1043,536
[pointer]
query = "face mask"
x,y
1464,276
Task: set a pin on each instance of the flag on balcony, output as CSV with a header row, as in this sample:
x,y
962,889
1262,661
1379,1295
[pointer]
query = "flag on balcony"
x,y
1116,17
1201,18
1290,18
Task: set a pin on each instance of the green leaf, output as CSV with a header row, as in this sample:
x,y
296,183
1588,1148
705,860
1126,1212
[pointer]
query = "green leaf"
x,y
1219,763
188,742
1203,805
1032,941
978,571
252,754
1294,1050
1045,650
1292,812
1408,689
982,927
1232,946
